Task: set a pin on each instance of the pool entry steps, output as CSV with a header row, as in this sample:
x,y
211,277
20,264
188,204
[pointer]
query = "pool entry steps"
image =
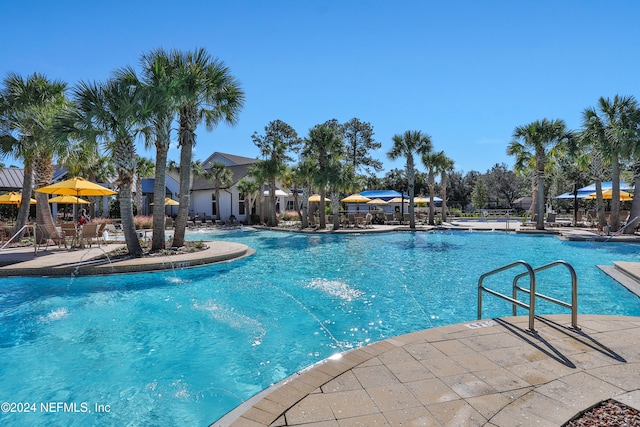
x,y
531,272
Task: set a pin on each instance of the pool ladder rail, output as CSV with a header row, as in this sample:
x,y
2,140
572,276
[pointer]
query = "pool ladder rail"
x,y
531,272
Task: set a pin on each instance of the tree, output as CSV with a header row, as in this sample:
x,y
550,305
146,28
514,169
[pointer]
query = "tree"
x,y
323,147
535,145
221,177
115,112
28,108
303,177
446,168
359,142
615,130
206,91
275,146
480,194
250,190
161,83
434,162
406,145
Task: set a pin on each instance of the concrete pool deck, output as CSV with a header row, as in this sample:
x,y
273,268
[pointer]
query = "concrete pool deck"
x,y
23,261
486,373
492,372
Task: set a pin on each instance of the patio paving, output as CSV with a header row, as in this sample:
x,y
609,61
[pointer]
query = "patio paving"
x,y
487,373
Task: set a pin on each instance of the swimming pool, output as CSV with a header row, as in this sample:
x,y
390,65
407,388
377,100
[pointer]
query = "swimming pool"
x,y
185,347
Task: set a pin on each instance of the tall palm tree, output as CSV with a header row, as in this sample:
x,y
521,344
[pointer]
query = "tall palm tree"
x,y
324,147
434,162
615,129
406,145
221,177
28,108
589,156
303,177
536,144
161,82
116,111
445,171
275,145
206,92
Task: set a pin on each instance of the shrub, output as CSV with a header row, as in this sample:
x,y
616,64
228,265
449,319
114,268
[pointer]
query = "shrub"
x,y
142,222
290,216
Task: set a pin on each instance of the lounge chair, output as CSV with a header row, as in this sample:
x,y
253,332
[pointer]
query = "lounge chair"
x,y
551,219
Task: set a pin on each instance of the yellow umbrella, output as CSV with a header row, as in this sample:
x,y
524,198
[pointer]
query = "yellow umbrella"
x,y
168,201
420,200
377,201
608,194
355,198
69,200
76,187
13,198
399,200
316,198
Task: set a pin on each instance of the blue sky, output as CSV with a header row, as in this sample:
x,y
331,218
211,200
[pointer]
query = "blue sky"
x,y
464,72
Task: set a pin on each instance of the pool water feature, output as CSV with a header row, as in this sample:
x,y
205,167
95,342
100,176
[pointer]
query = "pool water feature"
x,y
184,347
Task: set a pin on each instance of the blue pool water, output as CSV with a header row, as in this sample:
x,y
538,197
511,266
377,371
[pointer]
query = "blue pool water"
x,y
185,347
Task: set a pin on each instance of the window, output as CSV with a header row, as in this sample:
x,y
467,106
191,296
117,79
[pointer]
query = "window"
x,y
214,210
241,204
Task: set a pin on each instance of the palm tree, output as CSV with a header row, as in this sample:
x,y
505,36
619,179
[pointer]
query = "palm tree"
x,y
206,92
116,111
324,147
406,145
343,178
28,108
159,78
303,177
250,190
434,162
275,145
144,169
615,131
536,144
445,170
221,177
589,156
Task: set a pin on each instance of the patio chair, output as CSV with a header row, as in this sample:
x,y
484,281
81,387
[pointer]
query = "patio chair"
x,y
367,220
551,219
44,236
71,232
100,233
88,232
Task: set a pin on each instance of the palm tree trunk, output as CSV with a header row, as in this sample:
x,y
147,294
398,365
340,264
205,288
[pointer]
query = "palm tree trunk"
x,y
27,188
635,204
540,221
335,205
614,219
305,207
411,179
158,237
188,123
273,218
443,180
431,205
126,213
602,219
323,220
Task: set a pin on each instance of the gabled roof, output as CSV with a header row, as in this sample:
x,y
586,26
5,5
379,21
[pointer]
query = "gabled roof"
x,y
11,178
237,173
228,159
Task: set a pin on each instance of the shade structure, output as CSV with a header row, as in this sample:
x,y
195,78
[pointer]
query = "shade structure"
x,y
13,198
420,200
355,198
279,193
377,201
168,201
316,198
69,200
76,187
608,194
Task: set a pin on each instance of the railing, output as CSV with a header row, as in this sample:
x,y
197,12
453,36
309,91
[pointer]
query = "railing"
x,y
622,229
531,272
18,233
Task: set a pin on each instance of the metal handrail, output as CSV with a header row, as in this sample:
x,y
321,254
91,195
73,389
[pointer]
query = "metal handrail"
x,y
18,233
574,290
622,229
532,300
